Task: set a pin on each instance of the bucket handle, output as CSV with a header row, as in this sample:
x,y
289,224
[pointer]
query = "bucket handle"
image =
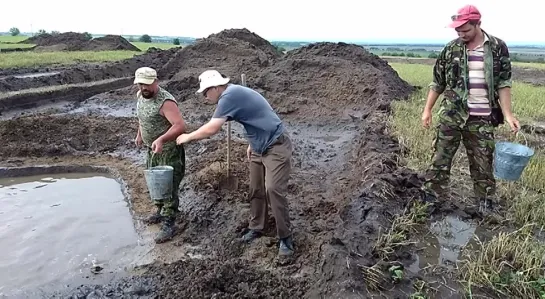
x,y
159,162
523,136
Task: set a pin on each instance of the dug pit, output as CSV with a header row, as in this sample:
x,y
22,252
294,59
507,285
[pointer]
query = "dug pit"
x,y
60,228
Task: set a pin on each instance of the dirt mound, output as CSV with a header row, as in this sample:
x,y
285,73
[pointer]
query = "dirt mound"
x,y
249,37
326,79
231,52
110,42
73,41
67,38
330,79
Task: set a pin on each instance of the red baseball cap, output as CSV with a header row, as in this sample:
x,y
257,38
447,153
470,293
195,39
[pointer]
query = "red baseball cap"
x,y
464,15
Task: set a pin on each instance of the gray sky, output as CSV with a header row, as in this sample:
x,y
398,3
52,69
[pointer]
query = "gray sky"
x,y
279,19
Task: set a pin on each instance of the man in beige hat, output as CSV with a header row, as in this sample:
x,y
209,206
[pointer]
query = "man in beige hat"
x,y
269,151
160,122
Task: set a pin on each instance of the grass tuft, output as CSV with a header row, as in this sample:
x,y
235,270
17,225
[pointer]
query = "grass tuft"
x,y
511,264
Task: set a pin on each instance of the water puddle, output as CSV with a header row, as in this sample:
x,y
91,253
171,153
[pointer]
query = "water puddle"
x,y
31,75
445,242
36,75
62,229
323,144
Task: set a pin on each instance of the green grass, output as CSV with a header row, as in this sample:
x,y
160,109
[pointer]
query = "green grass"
x,y
34,59
12,39
511,265
11,46
162,46
530,64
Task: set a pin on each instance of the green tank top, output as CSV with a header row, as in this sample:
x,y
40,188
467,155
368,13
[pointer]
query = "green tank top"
x,y
152,123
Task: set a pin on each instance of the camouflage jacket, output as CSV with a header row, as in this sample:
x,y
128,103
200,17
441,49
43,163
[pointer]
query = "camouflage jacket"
x,y
451,78
152,123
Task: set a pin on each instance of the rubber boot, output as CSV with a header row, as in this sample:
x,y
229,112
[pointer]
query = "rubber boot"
x,y
251,235
286,247
155,218
167,232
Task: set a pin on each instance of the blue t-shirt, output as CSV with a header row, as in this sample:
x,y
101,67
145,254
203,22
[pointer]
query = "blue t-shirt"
x,y
249,108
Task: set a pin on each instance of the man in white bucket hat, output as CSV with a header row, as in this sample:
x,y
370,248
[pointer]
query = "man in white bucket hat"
x,y
269,151
159,123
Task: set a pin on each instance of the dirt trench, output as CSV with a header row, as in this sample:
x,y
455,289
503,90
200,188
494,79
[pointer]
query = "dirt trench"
x,y
29,78
346,184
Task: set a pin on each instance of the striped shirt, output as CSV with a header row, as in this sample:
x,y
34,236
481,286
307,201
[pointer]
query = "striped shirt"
x,y
478,102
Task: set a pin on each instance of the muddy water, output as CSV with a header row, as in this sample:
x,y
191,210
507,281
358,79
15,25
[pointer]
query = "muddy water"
x,y
33,75
54,228
447,239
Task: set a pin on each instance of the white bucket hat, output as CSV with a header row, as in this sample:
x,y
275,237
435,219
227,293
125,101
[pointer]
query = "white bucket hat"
x,y
211,78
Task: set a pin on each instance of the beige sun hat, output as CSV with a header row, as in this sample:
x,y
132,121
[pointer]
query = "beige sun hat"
x,y
145,75
211,78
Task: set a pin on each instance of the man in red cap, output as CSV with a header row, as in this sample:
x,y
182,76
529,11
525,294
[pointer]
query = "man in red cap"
x,y
473,73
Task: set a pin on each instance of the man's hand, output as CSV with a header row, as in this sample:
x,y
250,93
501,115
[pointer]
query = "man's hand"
x,y
513,123
184,138
249,152
138,140
426,118
157,146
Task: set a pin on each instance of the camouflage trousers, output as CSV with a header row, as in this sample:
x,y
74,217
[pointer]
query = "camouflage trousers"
x,y
478,138
173,156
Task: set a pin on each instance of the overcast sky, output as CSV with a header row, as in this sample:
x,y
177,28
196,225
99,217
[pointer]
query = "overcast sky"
x,y
334,20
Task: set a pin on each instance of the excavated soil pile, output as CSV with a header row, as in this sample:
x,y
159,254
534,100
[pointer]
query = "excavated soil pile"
x,y
47,39
110,42
73,41
327,79
345,187
231,52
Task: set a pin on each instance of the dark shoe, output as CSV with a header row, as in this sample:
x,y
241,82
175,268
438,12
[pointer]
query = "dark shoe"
x,y
167,231
286,247
251,235
155,218
486,206
427,197
430,200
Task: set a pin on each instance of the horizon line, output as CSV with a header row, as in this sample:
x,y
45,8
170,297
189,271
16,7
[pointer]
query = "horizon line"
x,y
353,41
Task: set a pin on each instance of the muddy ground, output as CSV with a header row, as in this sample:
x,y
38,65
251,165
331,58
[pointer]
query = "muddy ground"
x,y
346,188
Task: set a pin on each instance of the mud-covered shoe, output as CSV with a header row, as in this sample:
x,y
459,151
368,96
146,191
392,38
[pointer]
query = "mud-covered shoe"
x,y
251,235
154,218
167,232
487,206
286,247
427,197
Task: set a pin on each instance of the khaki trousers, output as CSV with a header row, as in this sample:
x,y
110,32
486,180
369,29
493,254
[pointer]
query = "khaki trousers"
x,y
269,176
